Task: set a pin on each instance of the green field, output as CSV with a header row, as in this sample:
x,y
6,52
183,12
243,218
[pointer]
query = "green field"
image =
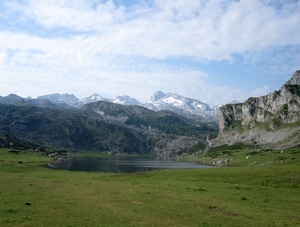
x,y
245,194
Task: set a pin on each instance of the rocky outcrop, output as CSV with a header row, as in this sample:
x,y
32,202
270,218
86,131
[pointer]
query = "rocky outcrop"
x,y
271,120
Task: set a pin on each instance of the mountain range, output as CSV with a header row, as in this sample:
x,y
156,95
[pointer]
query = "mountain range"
x,y
181,105
167,124
63,121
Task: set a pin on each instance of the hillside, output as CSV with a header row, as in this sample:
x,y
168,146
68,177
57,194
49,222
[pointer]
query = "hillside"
x,y
102,126
272,120
140,117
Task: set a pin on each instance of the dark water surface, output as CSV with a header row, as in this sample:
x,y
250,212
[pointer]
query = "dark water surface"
x,y
122,165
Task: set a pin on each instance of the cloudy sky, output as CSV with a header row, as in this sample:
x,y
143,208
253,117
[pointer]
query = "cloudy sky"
x,y
215,51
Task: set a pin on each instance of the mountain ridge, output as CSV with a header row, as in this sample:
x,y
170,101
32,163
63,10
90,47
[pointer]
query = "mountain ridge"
x,y
272,120
101,126
188,107
180,104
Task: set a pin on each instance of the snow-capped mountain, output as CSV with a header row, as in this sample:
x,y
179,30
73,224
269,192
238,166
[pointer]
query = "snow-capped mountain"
x,y
158,101
93,98
126,100
66,98
180,105
73,101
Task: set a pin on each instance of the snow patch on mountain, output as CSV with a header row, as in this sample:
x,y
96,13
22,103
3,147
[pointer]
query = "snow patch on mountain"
x,y
158,101
93,98
180,104
126,100
66,98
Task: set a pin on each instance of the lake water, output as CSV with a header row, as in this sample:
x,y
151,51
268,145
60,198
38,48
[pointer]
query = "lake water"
x,y
122,165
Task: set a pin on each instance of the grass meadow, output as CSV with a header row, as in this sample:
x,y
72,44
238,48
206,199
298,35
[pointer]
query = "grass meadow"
x,y
244,194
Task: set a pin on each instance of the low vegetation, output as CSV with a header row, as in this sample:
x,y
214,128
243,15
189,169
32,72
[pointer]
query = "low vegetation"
x,y
247,194
102,126
293,88
241,154
174,125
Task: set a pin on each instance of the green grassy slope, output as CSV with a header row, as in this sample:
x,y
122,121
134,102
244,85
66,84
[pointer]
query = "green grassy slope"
x,y
245,155
32,195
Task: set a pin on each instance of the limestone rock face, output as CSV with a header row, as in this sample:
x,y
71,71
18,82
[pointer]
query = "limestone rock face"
x,y
270,113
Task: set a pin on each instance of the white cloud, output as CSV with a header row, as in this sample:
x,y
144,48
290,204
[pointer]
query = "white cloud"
x,y
30,80
3,57
260,91
203,30
112,49
76,15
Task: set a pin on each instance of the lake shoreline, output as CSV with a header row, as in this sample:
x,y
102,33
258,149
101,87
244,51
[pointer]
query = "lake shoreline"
x,y
121,164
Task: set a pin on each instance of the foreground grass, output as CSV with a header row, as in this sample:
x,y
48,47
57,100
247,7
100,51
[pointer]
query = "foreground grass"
x,y
32,195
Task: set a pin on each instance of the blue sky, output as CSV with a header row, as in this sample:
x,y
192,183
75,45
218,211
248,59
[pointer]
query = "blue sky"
x,y
215,51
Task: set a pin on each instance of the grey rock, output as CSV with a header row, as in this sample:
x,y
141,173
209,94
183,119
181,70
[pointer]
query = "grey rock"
x,y
270,120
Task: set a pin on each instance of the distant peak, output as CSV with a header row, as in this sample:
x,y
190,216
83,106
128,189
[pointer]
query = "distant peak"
x,y
157,96
13,95
125,99
68,95
56,97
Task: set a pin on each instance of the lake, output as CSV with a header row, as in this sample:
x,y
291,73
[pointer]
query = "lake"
x,y
122,165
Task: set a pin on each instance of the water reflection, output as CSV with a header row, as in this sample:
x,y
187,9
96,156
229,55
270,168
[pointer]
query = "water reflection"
x,y
122,165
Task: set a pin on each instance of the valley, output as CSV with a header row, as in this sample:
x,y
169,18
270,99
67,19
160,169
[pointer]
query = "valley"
x,y
152,113
256,151
253,195
102,126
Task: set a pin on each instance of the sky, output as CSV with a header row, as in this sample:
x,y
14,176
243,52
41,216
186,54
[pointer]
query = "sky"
x,y
215,51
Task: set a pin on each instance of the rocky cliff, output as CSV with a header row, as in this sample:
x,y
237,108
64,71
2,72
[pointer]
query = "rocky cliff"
x,y
272,120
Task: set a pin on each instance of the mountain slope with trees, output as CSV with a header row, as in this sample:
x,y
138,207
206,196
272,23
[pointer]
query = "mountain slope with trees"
x,y
103,126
